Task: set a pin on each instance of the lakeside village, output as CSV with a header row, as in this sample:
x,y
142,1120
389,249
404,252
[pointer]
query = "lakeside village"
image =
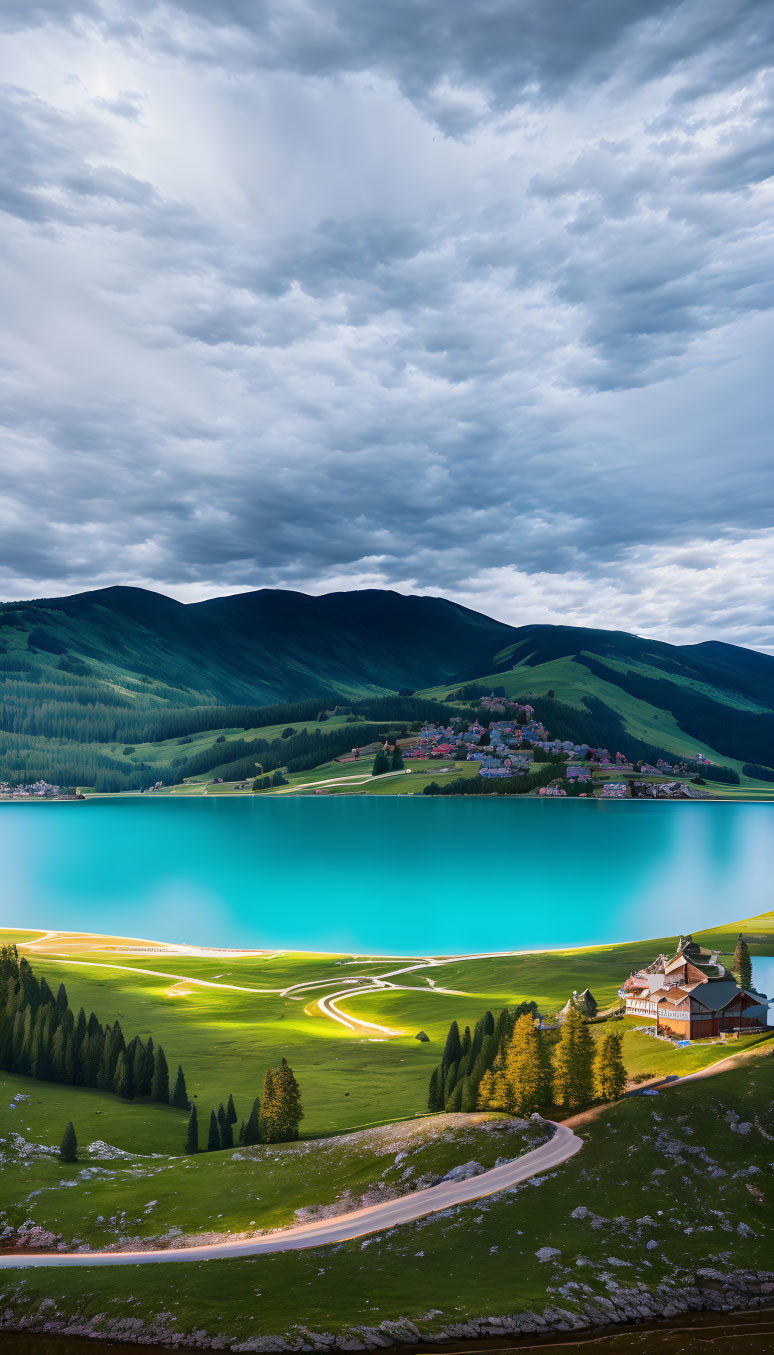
x,y
510,745
39,790
502,748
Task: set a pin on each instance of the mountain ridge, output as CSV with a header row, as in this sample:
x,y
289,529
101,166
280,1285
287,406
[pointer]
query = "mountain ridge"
x,y
67,662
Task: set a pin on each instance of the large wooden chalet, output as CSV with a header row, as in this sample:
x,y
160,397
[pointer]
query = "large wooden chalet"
x,y
693,995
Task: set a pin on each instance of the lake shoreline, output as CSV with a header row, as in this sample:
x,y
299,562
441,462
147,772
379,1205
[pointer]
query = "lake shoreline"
x,y
666,1336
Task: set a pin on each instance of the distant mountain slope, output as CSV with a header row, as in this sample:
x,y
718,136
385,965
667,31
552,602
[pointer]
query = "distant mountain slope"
x,y
252,647
713,698
84,672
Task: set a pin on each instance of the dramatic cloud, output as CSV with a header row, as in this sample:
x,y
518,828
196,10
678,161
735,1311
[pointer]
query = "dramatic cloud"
x,y
474,300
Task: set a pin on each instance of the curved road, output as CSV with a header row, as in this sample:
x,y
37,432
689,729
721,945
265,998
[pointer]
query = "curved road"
x,y
374,1218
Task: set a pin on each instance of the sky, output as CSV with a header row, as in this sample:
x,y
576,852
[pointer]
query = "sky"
x,y
473,300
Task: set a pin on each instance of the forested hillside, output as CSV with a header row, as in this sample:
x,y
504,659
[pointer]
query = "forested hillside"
x,y
96,679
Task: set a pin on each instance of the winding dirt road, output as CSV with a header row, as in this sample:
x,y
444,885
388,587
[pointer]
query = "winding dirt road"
x,y
373,1218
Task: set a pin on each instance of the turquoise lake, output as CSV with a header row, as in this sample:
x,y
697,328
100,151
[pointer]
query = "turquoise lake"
x,y
381,876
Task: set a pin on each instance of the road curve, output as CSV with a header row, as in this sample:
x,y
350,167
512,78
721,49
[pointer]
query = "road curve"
x,y
359,1223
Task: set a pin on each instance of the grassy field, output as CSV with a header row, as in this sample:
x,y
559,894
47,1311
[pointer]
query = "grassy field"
x,y
670,1181
226,1035
248,1189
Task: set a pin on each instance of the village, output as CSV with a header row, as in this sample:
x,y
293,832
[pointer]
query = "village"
x,y
38,790
513,745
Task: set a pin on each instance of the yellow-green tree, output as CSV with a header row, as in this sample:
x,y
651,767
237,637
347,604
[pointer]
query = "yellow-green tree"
x,y
574,1063
526,1074
486,1091
288,1112
609,1070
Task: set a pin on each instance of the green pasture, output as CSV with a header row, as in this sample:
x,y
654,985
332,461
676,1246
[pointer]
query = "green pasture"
x,y
164,751
668,1170
225,1037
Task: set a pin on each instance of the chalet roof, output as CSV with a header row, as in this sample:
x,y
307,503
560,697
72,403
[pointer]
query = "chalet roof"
x,y
717,994
675,995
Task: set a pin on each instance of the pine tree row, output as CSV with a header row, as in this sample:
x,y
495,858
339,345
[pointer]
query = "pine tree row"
x,y
509,1064
455,1082
525,1076
274,1117
41,1037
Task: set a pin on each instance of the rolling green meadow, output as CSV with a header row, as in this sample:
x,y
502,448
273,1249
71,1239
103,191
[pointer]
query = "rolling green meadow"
x,y
634,1174
364,1096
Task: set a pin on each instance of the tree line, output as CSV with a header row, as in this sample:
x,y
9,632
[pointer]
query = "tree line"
x,y
41,1037
87,713
530,1070
274,1116
454,1084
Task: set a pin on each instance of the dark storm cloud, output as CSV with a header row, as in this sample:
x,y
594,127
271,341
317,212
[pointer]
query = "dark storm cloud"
x,y
473,299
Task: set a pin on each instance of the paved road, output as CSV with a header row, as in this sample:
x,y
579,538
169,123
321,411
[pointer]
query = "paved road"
x,y
359,1223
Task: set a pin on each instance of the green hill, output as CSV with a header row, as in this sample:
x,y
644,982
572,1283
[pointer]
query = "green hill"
x,y
97,678
644,696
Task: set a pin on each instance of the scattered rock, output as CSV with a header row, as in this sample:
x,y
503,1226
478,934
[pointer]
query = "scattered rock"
x,y
464,1172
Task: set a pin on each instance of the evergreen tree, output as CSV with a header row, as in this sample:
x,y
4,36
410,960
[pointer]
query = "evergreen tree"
x,y
180,1094
396,761
454,1102
435,1090
573,1064
449,1083
252,1132
121,1077
523,1069
486,1091
743,964
69,1061
148,1068
160,1082
381,763
138,1066
465,1045
37,1056
267,1106
192,1137
469,1094
104,1078
609,1070
288,1112
17,1039
231,1114
453,1048
242,1128
225,1128
91,1057
213,1138
61,998
69,1147
27,1042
